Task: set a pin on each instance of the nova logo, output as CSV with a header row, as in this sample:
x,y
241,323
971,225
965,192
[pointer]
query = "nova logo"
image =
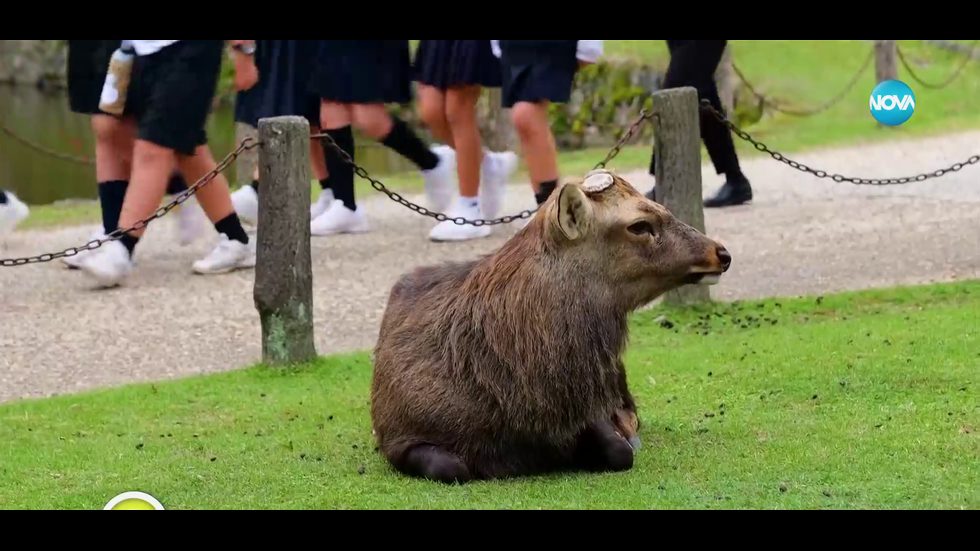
x,y
892,102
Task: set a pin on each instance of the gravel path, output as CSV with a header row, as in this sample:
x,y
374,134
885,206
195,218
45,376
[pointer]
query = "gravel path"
x,y
802,235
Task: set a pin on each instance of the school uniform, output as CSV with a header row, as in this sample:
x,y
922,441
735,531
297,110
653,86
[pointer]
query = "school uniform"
x,y
285,68
445,64
172,88
88,63
363,71
541,70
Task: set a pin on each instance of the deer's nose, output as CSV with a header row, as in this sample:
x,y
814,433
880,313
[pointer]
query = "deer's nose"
x,y
725,258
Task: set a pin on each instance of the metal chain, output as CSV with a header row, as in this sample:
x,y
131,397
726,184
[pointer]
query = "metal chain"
x,y
64,156
945,83
247,143
459,220
706,105
810,111
644,116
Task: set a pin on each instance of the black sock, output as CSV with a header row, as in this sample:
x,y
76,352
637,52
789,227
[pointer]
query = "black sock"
x,y
3,197
545,189
402,140
111,197
232,227
341,173
255,185
325,184
129,242
177,184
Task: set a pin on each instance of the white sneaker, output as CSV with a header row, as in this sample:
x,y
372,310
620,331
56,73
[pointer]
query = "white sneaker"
x,y
322,204
451,231
439,182
12,213
228,256
246,203
495,171
192,222
109,265
339,219
75,262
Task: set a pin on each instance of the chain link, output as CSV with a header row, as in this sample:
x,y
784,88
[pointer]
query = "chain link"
x,y
804,112
64,156
460,221
706,105
645,115
247,143
945,83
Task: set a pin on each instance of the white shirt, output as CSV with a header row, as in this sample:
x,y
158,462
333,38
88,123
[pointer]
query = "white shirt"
x,y
587,50
147,47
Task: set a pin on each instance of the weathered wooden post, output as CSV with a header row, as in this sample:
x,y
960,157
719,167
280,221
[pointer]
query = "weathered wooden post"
x,y
284,271
678,150
886,66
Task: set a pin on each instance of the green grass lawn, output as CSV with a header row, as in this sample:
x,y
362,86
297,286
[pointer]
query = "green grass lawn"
x,y
862,400
801,73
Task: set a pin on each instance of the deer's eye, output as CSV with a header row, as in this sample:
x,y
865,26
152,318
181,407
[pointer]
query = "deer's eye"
x,y
640,228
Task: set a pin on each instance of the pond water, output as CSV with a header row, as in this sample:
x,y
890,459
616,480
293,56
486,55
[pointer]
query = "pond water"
x,y
44,118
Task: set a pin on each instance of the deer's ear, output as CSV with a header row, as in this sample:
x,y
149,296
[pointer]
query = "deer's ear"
x,y
572,214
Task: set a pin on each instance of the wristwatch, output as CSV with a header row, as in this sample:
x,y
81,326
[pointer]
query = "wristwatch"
x,y
247,49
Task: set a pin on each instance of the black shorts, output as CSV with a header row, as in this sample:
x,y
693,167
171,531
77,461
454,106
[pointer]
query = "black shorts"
x,y
363,71
446,64
537,71
285,68
88,63
171,92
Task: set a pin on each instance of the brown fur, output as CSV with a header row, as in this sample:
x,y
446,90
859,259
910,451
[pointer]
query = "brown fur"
x,y
510,365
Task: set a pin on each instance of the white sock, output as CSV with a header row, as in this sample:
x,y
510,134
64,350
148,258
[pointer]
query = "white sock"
x,y
469,203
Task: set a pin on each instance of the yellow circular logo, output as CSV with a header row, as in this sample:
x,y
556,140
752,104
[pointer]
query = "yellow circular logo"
x,y
133,501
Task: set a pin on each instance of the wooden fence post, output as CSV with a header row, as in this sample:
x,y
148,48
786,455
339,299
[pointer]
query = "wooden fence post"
x,y
886,66
678,151
284,272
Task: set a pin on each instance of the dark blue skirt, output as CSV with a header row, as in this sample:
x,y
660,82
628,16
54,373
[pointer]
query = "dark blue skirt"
x,y
363,71
446,64
536,71
285,68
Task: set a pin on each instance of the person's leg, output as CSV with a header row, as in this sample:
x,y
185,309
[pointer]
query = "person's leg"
x,y
461,114
436,165
178,85
341,214
538,146
693,63
114,139
432,111
191,220
705,56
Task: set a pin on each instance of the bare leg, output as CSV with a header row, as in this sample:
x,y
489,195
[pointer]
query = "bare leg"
x,y
318,164
373,120
214,198
537,142
114,139
461,113
432,110
152,165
